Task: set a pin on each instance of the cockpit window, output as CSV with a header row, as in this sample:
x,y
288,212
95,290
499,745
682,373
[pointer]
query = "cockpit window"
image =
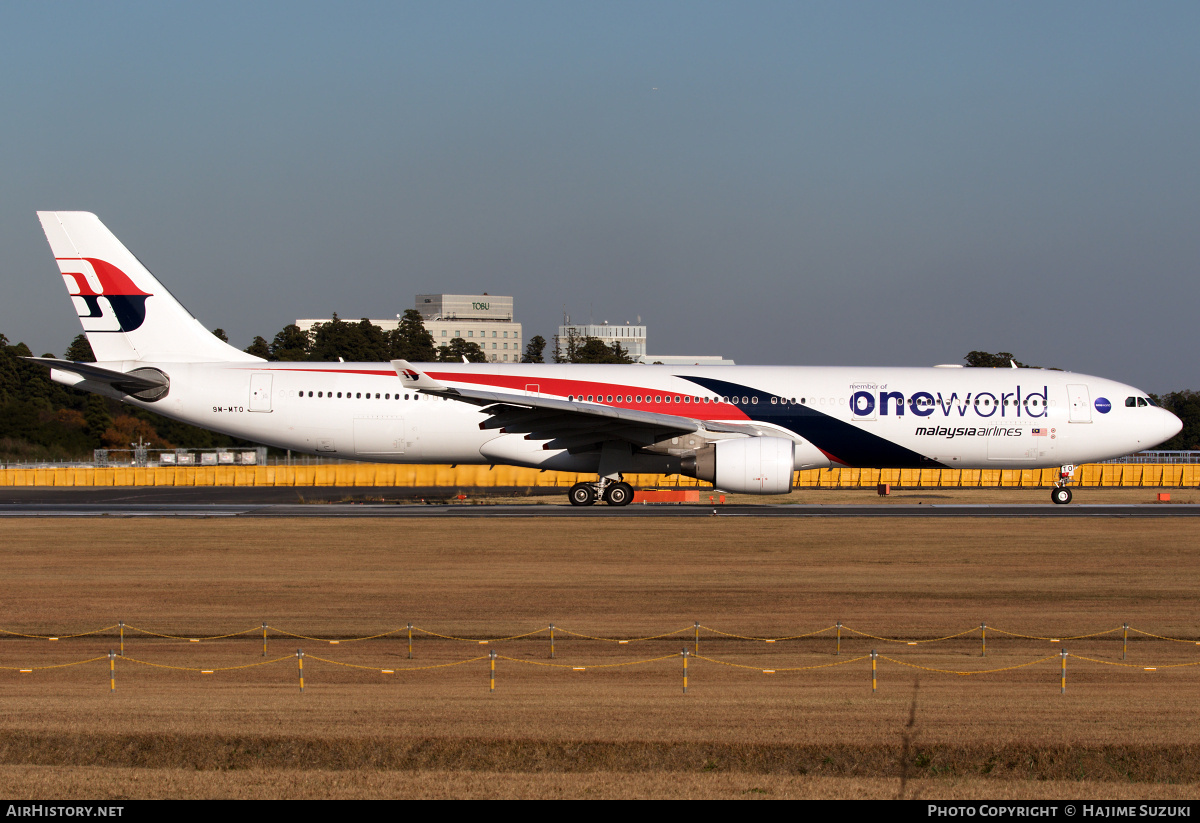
x,y
1130,402
1143,402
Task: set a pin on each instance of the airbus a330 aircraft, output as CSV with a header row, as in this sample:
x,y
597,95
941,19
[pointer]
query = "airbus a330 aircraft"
x,y
742,428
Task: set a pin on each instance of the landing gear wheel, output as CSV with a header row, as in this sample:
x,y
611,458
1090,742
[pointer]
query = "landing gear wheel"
x,y
618,494
1061,495
582,494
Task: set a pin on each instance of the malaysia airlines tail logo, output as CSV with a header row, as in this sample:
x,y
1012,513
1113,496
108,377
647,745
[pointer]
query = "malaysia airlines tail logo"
x,y
106,299
409,374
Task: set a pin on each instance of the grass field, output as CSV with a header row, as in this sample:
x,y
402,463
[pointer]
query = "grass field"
x,y
1118,732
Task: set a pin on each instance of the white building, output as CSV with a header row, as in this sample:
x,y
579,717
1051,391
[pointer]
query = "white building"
x,y
478,318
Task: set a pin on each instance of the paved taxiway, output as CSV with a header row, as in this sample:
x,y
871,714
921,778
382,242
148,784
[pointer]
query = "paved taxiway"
x,y
545,510
331,501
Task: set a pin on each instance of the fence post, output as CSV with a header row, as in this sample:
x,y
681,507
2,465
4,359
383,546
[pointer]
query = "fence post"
x,y
410,641
983,639
121,623
696,626
300,666
1125,642
551,641
1063,685
492,655
685,657
839,638
264,639
874,677
112,671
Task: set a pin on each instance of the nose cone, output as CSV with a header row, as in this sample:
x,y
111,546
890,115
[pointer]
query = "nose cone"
x,y
1171,425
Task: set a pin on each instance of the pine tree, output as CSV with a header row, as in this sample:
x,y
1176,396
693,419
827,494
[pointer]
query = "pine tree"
x,y
291,344
411,340
459,348
259,348
80,350
534,349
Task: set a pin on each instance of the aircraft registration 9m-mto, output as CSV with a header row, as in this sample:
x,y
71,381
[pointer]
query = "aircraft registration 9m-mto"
x,y
743,428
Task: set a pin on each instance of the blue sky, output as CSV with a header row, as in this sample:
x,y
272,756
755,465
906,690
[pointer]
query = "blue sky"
x,y
850,183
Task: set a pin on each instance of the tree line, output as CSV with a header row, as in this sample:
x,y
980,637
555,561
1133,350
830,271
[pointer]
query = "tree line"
x,y
366,342
44,421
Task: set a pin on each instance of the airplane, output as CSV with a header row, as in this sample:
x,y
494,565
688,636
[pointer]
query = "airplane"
x,y
742,428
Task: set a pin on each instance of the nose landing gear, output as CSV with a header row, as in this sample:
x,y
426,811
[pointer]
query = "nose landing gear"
x,y
614,493
1060,494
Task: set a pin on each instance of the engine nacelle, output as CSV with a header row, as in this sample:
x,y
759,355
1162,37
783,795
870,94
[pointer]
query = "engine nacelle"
x,y
750,465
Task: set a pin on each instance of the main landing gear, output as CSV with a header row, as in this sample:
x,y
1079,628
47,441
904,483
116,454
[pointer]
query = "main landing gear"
x,y
1061,494
612,492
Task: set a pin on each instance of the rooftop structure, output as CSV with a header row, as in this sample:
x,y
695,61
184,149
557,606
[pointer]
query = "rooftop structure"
x,y
633,340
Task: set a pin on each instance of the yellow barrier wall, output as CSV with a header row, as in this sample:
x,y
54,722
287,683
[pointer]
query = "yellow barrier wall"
x,y
1156,475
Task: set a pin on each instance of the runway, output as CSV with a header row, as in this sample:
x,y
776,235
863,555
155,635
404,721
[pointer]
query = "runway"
x,y
335,501
373,510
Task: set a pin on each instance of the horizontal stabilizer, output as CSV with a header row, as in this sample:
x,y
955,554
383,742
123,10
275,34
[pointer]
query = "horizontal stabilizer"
x,y
144,380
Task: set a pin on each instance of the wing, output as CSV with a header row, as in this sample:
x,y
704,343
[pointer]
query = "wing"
x,y
571,425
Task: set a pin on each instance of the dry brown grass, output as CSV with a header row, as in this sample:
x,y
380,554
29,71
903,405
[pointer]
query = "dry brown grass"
x,y
1118,732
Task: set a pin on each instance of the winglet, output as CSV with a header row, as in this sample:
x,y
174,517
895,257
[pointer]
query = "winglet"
x,y
414,378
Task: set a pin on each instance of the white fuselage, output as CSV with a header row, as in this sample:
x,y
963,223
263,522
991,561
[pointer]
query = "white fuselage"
x,y
868,417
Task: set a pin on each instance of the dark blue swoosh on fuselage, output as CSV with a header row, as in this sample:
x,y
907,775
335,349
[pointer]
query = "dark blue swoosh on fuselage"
x,y
842,441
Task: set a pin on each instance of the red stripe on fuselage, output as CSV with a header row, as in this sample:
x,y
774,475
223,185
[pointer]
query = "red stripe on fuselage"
x,y
557,387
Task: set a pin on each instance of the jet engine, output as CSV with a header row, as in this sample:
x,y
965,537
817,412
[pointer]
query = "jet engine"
x,y
750,465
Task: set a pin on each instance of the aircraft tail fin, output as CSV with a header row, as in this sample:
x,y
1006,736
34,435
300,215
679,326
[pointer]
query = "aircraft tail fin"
x,y
126,313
